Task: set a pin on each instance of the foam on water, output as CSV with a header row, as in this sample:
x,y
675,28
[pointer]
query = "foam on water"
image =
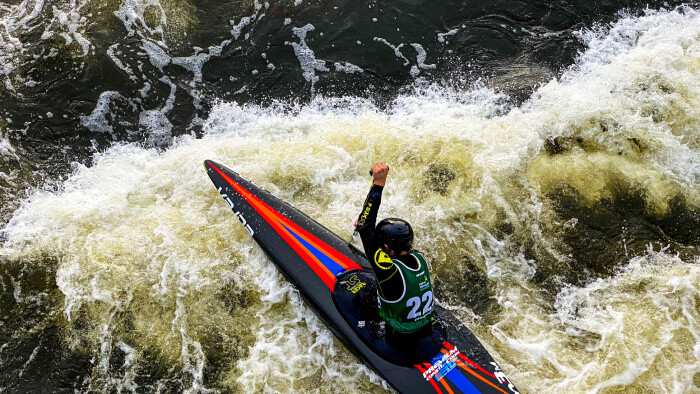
x,y
132,15
152,264
307,60
63,24
97,120
66,28
654,303
10,45
396,48
6,148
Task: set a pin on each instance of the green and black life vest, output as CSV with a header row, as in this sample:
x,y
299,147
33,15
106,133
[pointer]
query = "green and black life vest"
x,y
414,309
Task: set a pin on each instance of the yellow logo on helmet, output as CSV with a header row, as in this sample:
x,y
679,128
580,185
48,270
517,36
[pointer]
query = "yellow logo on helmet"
x,y
383,260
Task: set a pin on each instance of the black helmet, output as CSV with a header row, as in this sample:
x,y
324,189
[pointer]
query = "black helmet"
x,y
397,234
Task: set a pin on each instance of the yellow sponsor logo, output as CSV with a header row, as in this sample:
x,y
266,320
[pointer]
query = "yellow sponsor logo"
x,y
354,284
361,222
383,260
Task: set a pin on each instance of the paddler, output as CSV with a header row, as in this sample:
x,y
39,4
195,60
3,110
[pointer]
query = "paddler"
x,y
405,293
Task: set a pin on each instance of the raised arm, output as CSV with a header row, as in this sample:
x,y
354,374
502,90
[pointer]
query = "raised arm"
x,y
368,216
382,264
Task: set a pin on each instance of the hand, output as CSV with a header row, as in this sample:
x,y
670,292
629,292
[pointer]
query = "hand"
x,y
379,172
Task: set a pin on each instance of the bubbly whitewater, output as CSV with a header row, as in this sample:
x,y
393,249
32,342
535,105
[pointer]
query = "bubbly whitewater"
x,y
563,232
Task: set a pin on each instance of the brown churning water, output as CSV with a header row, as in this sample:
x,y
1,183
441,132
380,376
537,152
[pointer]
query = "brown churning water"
x,y
564,232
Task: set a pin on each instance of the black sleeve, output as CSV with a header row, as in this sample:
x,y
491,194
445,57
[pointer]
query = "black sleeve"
x,y
388,277
368,218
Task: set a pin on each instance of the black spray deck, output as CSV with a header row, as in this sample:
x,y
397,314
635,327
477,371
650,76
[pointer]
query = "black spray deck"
x,y
336,281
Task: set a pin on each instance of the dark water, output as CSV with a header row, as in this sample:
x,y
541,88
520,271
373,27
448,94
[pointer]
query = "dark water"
x,y
80,76
511,46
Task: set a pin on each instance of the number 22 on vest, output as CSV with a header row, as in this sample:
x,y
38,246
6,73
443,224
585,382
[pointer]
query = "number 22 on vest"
x,y
415,303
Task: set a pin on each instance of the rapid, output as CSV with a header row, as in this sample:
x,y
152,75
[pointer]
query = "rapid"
x,y
562,228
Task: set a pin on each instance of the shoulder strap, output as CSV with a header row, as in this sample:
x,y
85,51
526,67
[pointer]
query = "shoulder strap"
x,y
420,258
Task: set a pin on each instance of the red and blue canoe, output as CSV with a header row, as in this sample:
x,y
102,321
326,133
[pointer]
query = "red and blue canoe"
x,y
336,281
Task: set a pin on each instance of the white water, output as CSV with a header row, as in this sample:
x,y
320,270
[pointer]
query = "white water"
x,y
143,233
